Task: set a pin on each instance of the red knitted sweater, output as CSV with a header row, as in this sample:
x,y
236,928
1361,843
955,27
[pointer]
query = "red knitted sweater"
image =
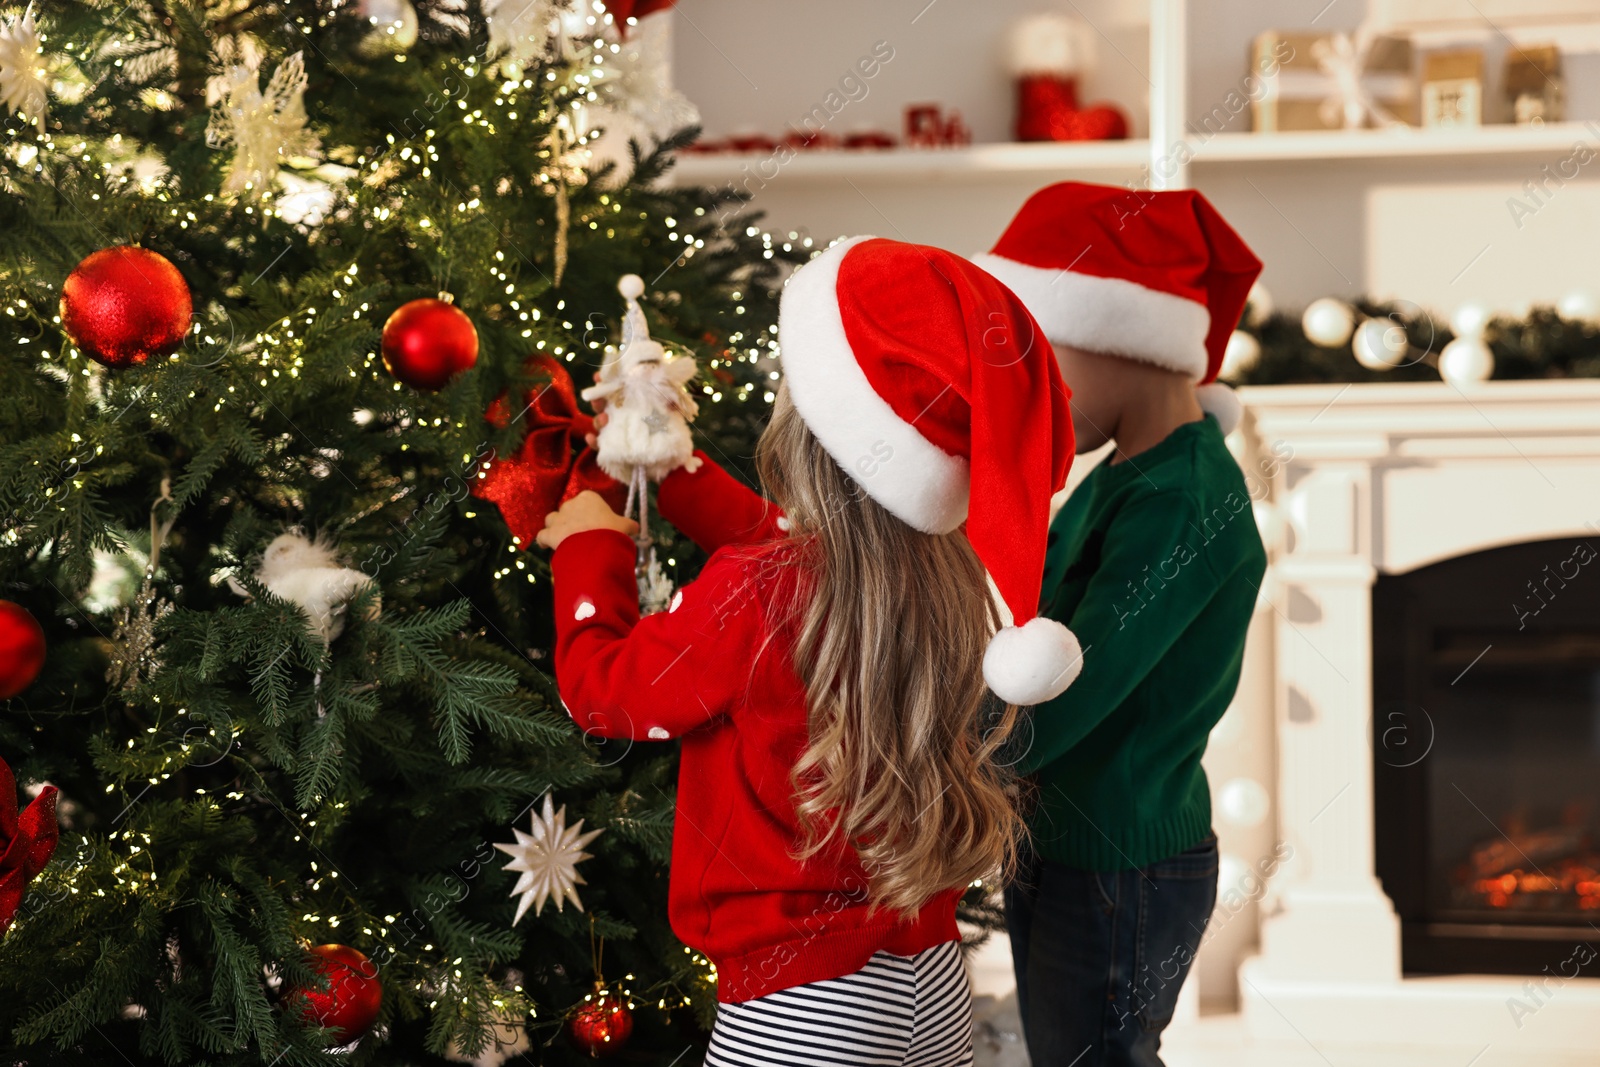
x,y
715,671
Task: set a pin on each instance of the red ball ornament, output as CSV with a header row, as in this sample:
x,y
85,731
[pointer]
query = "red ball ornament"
x,y
21,649
602,1025
427,342
122,305
350,1004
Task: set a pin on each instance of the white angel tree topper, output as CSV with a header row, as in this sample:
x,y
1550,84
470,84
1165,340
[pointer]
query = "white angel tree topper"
x,y
547,861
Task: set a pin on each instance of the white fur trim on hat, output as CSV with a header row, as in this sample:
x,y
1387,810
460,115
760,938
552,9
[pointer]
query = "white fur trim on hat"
x,y
919,483
1111,315
1032,663
1221,403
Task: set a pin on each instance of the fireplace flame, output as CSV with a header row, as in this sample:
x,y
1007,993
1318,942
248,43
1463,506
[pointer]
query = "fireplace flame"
x,y
1548,870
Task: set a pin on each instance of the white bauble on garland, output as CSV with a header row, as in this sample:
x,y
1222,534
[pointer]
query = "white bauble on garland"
x,y
1580,306
1244,802
1258,306
1380,344
1242,353
1466,361
1470,320
1328,322
1271,524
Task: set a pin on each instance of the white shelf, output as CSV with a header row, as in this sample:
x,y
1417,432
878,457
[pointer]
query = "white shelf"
x,y
1121,158
1403,143
1079,157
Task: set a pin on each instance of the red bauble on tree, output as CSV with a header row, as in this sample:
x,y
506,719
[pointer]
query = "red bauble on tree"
x,y
122,305
602,1025
427,342
21,649
349,1006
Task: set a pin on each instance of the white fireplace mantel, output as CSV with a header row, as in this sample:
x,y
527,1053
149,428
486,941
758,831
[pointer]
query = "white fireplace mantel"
x,y
1384,479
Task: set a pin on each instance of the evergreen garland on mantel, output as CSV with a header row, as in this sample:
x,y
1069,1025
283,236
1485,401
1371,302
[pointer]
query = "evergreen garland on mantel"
x,y
1543,345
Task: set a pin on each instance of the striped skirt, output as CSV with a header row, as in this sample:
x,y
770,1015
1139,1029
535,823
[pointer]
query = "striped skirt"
x,y
897,1011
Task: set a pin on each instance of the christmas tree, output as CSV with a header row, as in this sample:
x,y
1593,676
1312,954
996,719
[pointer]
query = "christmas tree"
x,y
295,687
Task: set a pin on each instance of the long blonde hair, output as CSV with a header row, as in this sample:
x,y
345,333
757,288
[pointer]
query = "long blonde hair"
x,y
902,735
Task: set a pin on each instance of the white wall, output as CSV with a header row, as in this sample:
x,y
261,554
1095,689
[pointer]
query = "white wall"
x,y
762,64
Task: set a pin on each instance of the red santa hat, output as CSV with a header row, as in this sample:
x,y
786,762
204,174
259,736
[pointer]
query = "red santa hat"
x,y
1154,276
929,383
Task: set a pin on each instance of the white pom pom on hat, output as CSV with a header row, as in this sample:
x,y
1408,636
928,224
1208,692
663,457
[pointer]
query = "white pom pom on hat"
x,y
1032,663
1221,403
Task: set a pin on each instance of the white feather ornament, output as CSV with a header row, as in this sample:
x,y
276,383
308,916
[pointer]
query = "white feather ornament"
x,y
307,573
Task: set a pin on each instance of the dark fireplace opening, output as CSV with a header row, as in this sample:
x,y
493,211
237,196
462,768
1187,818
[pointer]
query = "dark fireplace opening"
x,y
1486,756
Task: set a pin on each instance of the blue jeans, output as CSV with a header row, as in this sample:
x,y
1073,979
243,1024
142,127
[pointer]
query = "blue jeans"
x,y
1100,955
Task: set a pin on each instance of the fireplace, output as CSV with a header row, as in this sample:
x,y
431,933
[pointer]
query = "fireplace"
x,y
1486,750
1431,657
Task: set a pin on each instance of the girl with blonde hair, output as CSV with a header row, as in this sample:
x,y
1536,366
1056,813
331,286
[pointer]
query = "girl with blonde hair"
x,y
827,670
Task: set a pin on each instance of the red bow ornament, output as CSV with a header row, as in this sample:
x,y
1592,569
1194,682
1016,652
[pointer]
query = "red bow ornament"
x,y
544,473
26,841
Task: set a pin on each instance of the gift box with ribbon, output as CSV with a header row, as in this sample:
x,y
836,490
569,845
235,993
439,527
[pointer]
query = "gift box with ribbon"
x,y
1332,81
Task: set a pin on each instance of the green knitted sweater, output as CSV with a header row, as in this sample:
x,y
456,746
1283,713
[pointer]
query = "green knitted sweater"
x,y
1155,564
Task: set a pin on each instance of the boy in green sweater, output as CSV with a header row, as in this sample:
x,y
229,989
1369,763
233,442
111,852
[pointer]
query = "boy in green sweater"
x,y
1154,562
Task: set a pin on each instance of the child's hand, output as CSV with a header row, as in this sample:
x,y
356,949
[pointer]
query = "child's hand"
x,y
584,512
